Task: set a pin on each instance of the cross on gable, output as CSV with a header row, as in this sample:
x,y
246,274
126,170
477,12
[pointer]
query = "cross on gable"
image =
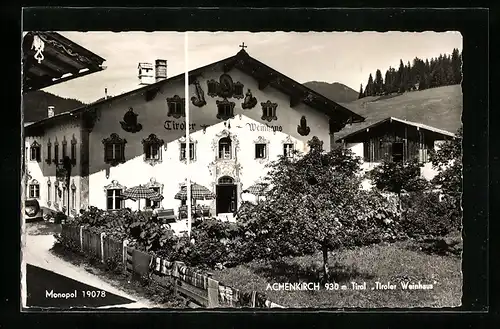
x,y
242,46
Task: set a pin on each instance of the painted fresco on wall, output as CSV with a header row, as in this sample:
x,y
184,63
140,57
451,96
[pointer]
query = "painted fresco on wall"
x,y
199,99
302,128
249,101
129,123
225,87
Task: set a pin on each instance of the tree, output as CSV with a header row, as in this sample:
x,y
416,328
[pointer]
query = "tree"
x,y
398,176
447,159
411,80
379,83
402,77
361,93
456,66
370,88
388,82
308,199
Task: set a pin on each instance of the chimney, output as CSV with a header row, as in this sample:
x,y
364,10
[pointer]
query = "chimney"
x,y
146,74
105,93
50,111
161,69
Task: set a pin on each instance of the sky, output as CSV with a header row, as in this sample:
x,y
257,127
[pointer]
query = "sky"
x,y
345,57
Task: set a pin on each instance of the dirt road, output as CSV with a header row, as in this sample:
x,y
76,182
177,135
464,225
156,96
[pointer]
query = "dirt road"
x,y
37,253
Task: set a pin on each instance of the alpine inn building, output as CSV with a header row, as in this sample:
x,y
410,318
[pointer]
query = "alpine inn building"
x,y
243,114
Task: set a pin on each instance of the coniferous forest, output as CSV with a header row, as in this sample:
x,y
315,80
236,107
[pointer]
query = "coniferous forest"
x,y
440,71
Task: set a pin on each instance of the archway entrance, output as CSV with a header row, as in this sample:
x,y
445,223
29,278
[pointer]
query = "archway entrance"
x,y
226,196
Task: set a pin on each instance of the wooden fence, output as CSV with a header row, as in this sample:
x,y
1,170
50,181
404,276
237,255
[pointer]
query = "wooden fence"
x,y
197,289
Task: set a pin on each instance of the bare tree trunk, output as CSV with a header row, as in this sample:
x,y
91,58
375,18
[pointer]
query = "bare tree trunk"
x,y
325,262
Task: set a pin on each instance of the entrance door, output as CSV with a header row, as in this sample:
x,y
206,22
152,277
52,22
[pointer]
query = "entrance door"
x,y
397,151
226,196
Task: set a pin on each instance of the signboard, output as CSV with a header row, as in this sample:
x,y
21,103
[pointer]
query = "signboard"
x,y
263,127
173,125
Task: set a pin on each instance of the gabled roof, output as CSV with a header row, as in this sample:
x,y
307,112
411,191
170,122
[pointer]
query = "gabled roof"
x,y
244,62
392,119
60,60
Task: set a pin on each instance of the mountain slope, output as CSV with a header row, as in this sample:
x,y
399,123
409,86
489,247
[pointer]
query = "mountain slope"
x,y
337,92
438,107
35,105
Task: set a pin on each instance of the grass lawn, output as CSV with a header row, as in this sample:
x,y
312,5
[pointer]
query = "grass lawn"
x,y
394,263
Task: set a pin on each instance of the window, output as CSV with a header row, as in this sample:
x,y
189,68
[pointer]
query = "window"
x,y
64,196
225,148
269,111
150,203
226,180
73,199
114,199
49,153
152,152
56,153
238,90
176,107
191,151
114,149
287,150
225,109
56,188
34,190
152,148
64,148
397,151
48,192
73,151
260,151
35,152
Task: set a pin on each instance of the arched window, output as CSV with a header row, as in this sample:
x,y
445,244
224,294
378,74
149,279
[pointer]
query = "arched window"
x,y
34,189
226,180
225,148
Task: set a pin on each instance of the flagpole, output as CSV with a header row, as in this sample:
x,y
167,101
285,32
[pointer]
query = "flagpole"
x,y
188,146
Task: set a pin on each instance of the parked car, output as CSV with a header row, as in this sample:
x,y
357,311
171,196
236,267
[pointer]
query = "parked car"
x,y
32,210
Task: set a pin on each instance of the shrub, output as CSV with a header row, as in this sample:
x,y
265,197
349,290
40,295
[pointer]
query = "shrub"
x,y
214,243
65,242
426,217
60,217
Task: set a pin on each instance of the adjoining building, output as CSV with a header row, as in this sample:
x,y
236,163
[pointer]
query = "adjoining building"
x,y
393,139
243,114
48,59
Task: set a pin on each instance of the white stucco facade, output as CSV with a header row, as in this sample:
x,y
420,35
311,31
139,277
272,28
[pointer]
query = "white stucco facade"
x,y
245,130
42,172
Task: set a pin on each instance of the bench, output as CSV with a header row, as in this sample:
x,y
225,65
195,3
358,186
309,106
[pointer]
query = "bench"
x,y
167,215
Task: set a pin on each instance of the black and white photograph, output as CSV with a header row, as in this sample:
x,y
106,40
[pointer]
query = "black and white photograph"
x,y
234,170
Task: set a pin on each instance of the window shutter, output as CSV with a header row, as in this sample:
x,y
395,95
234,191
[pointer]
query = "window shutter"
x,y
118,152
108,152
147,151
191,151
